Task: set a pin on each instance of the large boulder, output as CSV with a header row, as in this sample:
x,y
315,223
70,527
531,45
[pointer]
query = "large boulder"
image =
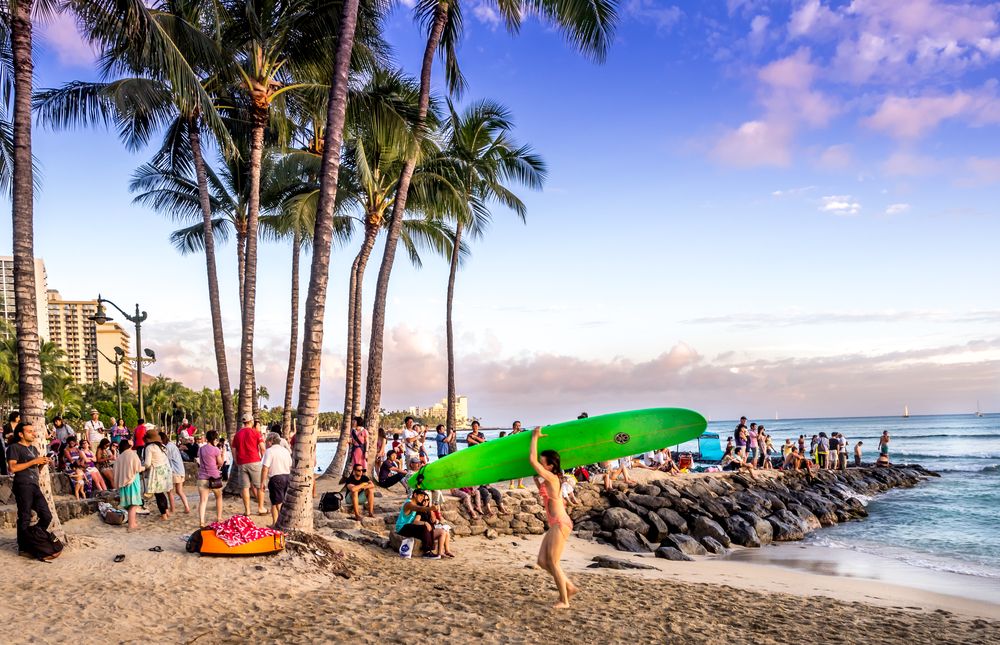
x,y
617,499
685,544
763,528
712,545
668,490
658,529
673,519
741,532
715,508
647,489
810,521
628,540
670,553
650,502
786,526
622,518
702,526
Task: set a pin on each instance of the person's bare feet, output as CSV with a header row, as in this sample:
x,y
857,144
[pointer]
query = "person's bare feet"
x,y
561,605
370,514
571,589
357,518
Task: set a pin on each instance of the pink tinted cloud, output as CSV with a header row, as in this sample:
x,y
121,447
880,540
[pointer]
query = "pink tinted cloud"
x,y
911,117
61,36
755,143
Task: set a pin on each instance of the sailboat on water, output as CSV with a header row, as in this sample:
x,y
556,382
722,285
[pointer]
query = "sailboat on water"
x,y
906,412
979,412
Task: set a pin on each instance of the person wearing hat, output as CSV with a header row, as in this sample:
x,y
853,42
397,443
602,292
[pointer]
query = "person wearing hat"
x,y
159,477
93,430
248,448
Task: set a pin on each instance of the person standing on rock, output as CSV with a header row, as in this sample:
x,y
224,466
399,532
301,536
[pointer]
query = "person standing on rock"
x,y
739,436
883,446
857,454
548,468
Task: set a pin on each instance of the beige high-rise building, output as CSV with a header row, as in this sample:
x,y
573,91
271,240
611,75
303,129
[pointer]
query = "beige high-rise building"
x,y
81,338
440,409
7,293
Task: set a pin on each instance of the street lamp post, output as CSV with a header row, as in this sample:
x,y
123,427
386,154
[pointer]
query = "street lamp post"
x,y
117,361
102,317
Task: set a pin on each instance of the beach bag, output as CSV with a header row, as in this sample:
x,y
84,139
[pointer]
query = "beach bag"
x,y
111,515
41,544
330,502
159,479
406,548
194,542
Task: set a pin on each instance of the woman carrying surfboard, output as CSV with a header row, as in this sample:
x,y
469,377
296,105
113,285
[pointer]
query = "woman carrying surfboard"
x,y
548,469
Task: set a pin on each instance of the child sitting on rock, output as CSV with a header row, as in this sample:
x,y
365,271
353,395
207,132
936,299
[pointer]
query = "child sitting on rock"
x,y
567,488
79,477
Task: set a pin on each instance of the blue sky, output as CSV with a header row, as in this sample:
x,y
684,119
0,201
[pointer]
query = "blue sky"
x,y
752,207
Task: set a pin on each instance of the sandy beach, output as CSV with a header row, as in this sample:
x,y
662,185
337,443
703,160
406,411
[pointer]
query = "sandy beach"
x,y
489,593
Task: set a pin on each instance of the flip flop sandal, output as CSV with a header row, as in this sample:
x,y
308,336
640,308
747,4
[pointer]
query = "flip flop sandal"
x,y
157,549
120,557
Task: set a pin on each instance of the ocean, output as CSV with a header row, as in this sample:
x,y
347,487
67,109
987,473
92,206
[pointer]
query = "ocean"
x,y
948,524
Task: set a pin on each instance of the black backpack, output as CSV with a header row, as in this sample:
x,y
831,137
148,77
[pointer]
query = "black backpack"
x,y
41,544
194,542
330,502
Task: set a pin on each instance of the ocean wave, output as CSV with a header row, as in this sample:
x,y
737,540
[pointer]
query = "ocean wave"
x,y
899,436
936,562
897,455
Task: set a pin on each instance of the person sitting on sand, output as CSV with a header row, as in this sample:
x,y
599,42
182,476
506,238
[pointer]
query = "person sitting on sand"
x,y
127,481
470,500
733,460
857,454
413,521
389,473
210,461
355,484
485,493
475,437
669,465
567,487
548,469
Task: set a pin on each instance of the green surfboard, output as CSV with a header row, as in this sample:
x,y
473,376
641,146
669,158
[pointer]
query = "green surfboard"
x,y
580,442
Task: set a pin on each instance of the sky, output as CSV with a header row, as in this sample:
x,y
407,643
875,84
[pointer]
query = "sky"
x,y
752,208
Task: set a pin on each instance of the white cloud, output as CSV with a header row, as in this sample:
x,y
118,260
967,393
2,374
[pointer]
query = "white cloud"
x,y
486,14
897,209
811,18
664,17
755,143
840,205
836,157
792,192
758,32
906,117
60,35
981,171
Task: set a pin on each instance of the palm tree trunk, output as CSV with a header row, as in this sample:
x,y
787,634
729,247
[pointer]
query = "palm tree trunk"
x,y
352,379
29,377
248,395
241,258
373,392
221,363
450,419
293,341
296,512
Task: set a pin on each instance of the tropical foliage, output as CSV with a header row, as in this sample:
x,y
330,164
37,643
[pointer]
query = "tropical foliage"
x,y
280,121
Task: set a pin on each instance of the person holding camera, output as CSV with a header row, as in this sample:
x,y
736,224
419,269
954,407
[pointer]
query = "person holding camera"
x,y
24,463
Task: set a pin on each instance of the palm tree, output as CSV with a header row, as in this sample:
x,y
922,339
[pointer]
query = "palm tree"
x,y
588,24
485,160
167,63
29,380
296,512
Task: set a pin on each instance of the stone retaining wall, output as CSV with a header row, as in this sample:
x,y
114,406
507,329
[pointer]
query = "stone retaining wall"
x,y
673,515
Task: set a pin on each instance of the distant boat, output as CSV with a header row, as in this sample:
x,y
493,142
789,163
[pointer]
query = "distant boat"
x,y
979,412
775,416
906,412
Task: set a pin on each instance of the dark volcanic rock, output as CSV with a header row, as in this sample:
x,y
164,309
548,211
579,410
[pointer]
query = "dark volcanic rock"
x,y
619,500
670,553
673,519
668,490
588,525
763,528
715,508
627,540
604,562
811,521
621,518
647,489
712,545
650,502
786,526
685,544
741,532
658,529
702,526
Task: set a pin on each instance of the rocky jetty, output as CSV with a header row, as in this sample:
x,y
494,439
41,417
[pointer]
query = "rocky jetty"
x,y
678,517
675,517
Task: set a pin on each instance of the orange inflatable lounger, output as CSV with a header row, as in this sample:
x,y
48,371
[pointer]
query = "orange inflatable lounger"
x,y
210,544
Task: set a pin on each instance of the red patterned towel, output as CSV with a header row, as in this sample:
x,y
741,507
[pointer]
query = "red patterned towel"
x,y
239,529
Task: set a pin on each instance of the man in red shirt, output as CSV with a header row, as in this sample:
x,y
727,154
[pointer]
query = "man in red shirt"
x,y
140,438
248,447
